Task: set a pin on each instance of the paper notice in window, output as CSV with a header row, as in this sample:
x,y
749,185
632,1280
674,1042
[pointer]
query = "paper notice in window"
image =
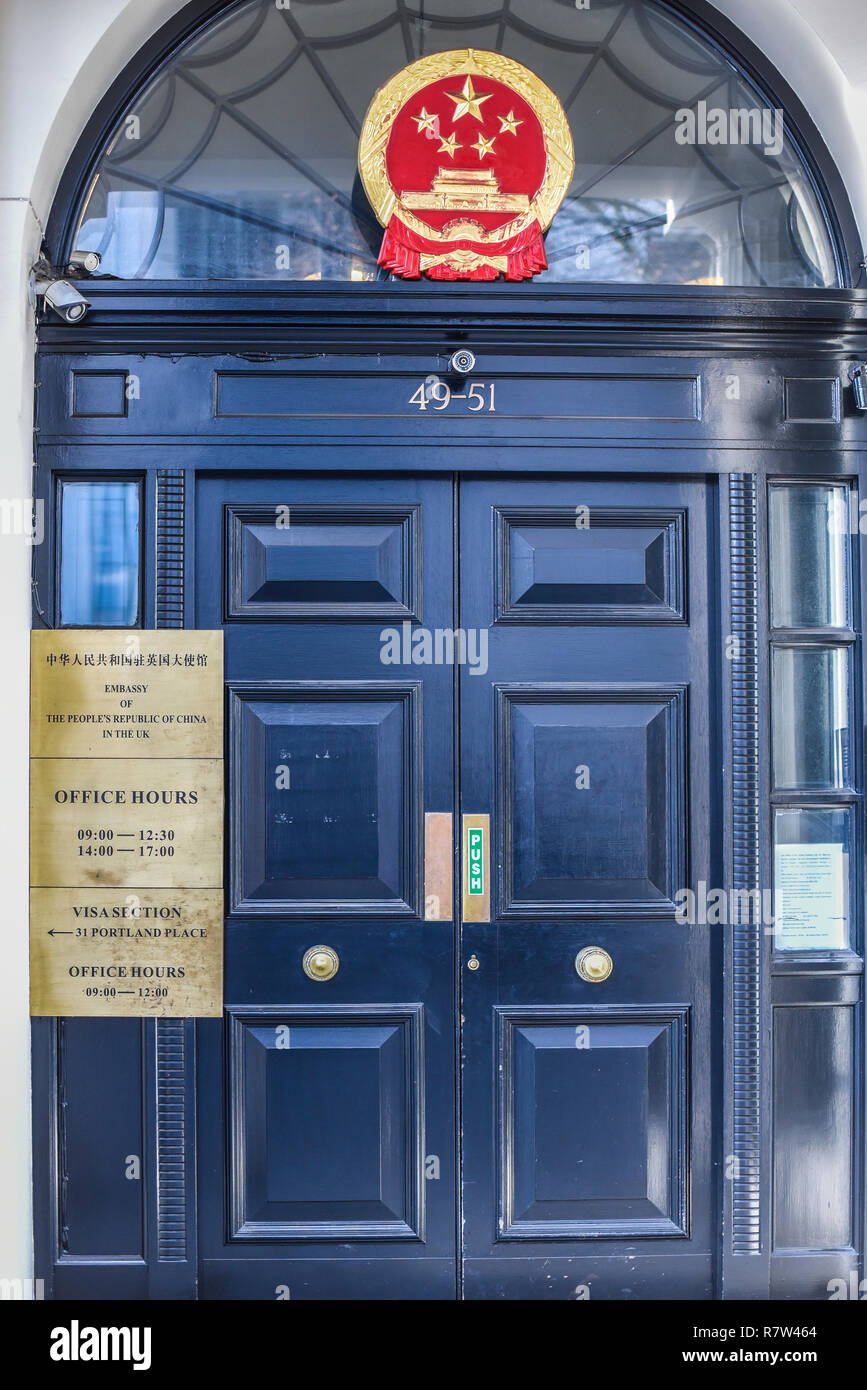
x,y
810,900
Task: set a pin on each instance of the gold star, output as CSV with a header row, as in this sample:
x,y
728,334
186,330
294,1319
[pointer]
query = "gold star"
x,y
425,121
468,102
483,146
449,146
509,125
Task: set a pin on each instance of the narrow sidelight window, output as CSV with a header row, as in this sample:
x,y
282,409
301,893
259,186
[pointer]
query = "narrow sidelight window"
x,y
811,718
100,553
810,555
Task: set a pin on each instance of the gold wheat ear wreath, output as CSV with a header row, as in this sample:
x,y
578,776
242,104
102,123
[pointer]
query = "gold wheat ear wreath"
x,y
465,123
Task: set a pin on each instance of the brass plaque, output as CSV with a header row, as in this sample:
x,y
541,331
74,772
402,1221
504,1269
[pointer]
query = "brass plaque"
x,y
126,823
98,694
116,822
154,952
438,859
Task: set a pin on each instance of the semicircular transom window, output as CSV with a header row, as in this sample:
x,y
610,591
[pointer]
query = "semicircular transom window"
x,y
239,159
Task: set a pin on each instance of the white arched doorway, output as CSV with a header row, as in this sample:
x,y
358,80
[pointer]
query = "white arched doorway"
x,y
98,50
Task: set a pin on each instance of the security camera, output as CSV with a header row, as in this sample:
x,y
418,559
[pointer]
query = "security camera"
x,y
462,361
85,260
858,378
64,299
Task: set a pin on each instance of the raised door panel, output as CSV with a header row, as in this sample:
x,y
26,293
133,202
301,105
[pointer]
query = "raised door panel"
x,y
325,798
593,801
327,1107
323,561
593,1106
577,565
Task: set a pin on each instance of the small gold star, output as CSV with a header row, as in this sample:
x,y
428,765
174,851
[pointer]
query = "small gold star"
x,y
468,102
509,125
425,121
449,146
483,146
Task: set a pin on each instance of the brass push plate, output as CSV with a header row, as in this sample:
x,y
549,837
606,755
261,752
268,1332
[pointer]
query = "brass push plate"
x,y
476,868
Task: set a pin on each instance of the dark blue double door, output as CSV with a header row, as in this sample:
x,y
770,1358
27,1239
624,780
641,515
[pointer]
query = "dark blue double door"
x,y
529,656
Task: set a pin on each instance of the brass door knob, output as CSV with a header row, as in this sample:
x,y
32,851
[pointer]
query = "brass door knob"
x,y
594,964
321,963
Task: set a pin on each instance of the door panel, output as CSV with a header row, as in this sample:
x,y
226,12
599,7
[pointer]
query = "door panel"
x,y
589,741
343,562
629,569
634,1183
350,841
327,1168
630,853
353,1079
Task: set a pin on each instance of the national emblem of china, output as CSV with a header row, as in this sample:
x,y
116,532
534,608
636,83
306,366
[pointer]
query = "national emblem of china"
x,y
465,157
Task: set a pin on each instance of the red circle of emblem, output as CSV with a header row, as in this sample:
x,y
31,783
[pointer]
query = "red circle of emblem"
x,y
465,157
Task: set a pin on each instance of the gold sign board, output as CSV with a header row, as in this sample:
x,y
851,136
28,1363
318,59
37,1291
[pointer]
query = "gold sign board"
x,y
126,824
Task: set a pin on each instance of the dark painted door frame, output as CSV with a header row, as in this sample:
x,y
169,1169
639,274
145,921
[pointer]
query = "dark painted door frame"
x,y
693,382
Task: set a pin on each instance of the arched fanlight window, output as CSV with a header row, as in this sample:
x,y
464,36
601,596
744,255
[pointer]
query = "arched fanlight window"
x,y
238,160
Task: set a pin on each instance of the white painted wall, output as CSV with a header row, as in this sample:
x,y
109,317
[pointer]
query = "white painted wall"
x,y
821,50
43,109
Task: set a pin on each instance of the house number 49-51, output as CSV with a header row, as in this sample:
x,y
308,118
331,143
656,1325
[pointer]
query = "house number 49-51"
x,y
439,396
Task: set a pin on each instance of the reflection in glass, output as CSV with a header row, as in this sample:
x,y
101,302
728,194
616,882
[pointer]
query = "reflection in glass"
x,y
809,556
812,850
811,717
99,554
239,159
